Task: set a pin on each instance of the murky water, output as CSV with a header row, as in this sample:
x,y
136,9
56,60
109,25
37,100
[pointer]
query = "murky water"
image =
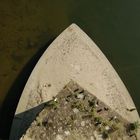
x,y
27,25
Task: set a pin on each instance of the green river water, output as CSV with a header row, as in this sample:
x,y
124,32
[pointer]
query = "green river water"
x,y
27,26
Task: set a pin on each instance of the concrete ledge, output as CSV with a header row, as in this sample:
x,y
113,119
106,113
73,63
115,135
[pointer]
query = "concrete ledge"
x,y
73,55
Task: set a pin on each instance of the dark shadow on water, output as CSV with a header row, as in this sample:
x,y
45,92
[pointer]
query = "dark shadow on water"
x,y
23,120
9,106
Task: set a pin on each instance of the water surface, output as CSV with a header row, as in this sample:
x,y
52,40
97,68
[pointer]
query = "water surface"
x,y
27,25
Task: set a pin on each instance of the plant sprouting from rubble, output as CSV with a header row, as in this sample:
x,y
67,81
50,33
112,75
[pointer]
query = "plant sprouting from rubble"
x,y
134,126
54,103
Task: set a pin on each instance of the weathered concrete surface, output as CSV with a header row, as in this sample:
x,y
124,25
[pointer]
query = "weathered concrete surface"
x,y
73,55
75,114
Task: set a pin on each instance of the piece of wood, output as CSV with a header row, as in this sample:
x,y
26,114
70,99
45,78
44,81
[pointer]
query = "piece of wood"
x,y
72,56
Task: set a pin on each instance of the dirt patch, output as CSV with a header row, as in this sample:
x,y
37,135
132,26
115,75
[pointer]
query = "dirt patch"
x,y
76,114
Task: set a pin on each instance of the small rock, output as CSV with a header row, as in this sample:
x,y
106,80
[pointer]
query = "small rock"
x,y
83,123
67,133
115,117
55,99
60,129
75,110
98,136
87,122
59,137
96,105
65,103
54,133
107,128
91,138
80,96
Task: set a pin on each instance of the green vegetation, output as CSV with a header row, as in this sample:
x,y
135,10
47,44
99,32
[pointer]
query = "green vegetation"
x,y
54,103
135,126
92,103
79,105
